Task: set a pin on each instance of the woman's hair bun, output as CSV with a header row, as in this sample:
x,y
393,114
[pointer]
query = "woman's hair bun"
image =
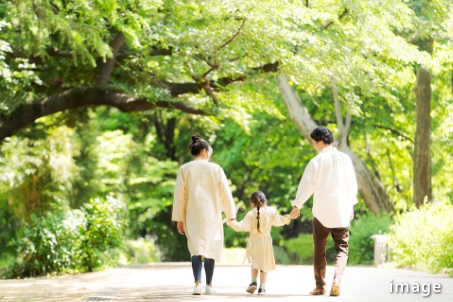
x,y
198,145
195,138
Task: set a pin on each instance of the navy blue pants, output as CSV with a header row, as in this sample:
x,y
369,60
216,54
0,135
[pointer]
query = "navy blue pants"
x,y
208,268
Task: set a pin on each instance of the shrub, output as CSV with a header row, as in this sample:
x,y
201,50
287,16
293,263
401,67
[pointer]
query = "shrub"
x,y
300,249
423,239
142,251
100,237
65,240
361,246
281,256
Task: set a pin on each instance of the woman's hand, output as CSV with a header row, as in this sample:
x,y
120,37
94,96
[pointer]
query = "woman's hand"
x,y
180,226
229,221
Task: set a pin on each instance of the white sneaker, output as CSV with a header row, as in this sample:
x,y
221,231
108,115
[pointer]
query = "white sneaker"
x,y
209,290
198,290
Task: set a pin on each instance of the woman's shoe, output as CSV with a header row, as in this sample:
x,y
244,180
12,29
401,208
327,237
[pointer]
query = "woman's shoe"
x,y
252,287
198,290
261,291
209,290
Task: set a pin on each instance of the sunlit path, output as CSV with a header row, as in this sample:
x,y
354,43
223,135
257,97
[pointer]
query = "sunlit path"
x,y
172,282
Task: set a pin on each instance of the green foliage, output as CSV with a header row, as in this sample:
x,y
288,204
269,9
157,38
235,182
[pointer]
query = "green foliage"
x,y
9,223
65,240
423,238
365,47
361,246
142,251
281,256
36,172
300,249
101,235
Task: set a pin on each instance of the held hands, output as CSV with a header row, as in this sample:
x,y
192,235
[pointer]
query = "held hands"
x,y
180,226
230,221
294,213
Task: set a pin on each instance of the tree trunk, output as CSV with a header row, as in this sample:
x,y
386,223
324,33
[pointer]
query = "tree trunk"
x,y
422,157
370,188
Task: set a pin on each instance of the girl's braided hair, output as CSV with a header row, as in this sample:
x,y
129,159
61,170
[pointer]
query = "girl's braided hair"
x,y
259,200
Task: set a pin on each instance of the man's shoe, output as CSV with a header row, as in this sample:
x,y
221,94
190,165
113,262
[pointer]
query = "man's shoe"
x,y
209,290
252,287
335,290
318,292
198,290
261,291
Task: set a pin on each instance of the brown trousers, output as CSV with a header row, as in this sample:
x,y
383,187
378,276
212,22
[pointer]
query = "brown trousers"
x,y
340,237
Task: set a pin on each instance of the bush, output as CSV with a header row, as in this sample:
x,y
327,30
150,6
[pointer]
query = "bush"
x,y
281,256
142,251
100,238
66,240
361,246
423,239
300,249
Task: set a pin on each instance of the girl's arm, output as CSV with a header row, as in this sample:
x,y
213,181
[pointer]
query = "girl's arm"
x,y
244,225
280,220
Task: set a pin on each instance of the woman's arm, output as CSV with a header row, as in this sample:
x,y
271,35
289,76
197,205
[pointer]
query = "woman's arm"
x,y
226,199
180,198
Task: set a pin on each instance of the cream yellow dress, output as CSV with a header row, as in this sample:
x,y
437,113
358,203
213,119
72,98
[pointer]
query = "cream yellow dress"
x,y
201,194
259,249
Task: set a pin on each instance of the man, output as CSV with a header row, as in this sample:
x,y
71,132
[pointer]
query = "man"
x,y
330,176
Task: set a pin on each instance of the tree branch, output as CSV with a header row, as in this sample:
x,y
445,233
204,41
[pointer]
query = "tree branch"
x,y
398,133
209,92
338,114
69,54
107,68
81,97
347,124
307,3
233,37
345,12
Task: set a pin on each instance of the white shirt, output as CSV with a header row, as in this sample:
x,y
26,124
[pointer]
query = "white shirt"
x,y
330,176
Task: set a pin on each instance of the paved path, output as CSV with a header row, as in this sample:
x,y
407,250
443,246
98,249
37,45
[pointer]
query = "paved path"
x,y
173,282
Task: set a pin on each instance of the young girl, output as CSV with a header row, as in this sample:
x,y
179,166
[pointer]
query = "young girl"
x,y
260,253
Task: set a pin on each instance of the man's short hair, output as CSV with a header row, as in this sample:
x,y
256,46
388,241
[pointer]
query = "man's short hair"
x,y
322,134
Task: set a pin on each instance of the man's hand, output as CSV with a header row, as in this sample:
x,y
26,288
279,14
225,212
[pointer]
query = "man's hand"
x,y
180,226
294,213
352,215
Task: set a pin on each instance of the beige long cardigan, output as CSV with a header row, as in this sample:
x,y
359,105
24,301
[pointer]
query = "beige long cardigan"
x,y
259,250
201,193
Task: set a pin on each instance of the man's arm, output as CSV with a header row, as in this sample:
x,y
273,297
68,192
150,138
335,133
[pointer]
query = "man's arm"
x,y
306,188
306,185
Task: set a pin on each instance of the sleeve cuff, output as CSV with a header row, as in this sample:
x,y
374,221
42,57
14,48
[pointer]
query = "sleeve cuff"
x,y
288,219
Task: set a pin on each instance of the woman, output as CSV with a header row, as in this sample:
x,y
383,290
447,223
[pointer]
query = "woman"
x,y
201,193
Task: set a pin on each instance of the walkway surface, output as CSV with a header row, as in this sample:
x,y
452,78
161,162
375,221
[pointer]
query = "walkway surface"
x,y
173,282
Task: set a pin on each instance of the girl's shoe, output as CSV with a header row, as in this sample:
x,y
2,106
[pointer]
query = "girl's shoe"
x,y
198,290
209,290
261,291
252,287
